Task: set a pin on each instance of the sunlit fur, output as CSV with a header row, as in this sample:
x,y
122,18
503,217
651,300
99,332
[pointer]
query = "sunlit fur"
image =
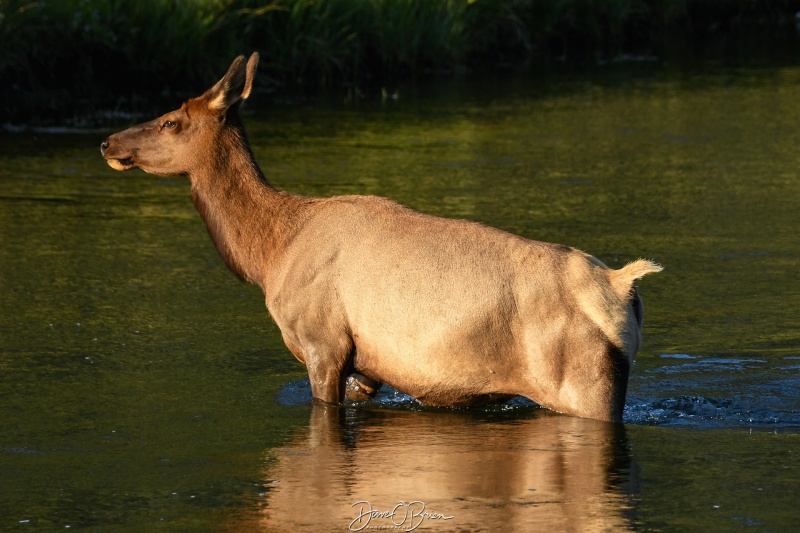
x,y
449,311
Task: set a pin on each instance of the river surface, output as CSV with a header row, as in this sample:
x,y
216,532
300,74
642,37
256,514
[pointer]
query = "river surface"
x,y
142,387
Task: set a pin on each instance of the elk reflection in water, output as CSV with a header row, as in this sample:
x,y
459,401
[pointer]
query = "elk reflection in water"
x,y
538,471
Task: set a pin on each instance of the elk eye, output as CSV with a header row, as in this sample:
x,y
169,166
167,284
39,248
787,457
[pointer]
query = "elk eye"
x,y
169,124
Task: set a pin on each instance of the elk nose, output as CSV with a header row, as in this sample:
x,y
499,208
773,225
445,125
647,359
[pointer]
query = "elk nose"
x,y
103,147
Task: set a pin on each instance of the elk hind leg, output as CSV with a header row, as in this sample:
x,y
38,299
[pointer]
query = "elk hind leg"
x,y
360,388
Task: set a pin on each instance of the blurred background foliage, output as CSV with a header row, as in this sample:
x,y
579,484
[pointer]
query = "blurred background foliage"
x,y
60,59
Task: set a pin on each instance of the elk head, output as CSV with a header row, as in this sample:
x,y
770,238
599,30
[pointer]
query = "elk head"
x,y
179,141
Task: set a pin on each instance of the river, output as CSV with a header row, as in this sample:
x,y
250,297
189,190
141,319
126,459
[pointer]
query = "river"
x,y
142,387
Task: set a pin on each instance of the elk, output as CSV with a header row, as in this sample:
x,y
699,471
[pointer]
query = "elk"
x,y
366,291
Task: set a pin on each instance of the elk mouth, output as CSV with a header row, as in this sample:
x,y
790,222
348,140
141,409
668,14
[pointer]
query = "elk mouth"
x,y
110,154
122,164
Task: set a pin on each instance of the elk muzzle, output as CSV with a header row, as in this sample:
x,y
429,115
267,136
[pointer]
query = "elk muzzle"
x,y
116,158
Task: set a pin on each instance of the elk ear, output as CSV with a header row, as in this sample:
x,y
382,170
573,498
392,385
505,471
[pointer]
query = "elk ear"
x,y
235,85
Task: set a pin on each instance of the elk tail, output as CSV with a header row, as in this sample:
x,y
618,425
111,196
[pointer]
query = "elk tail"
x,y
624,279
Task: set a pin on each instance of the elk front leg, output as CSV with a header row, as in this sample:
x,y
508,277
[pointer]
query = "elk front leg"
x,y
326,372
327,354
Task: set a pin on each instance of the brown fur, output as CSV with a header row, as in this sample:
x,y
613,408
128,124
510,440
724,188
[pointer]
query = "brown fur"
x,y
449,311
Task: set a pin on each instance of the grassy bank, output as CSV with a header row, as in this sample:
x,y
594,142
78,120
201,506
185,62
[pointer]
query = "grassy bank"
x,y
74,57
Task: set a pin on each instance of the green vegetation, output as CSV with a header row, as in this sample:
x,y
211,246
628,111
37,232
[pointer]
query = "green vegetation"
x,y
79,55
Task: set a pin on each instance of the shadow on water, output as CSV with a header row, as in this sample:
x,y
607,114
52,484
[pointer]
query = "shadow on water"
x,y
488,471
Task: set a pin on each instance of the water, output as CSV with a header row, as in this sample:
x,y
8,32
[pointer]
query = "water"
x,y
143,387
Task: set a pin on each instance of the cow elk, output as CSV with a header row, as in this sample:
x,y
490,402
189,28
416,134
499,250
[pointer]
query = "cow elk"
x,y
452,312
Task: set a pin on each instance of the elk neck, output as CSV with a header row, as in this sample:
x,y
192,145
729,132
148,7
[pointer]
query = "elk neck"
x,y
249,221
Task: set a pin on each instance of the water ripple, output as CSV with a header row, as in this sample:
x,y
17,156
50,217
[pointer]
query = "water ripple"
x,y
753,408
704,364
706,412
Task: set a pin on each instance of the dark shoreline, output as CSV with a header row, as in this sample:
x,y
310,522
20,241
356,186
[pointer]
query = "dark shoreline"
x,y
98,62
